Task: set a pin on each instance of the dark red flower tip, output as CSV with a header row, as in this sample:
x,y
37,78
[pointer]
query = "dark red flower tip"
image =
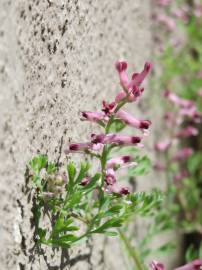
x,y
144,124
136,139
166,93
147,66
97,138
85,181
74,147
126,158
84,114
124,191
121,66
134,75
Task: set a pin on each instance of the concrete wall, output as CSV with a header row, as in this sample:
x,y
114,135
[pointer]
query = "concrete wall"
x,y
56,58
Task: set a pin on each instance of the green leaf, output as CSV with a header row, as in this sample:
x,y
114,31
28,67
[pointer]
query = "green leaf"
x,y
117,126
142,168
112,223
71,173
84,167
38,163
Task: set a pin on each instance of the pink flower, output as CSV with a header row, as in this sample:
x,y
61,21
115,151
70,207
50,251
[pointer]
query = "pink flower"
x,y
82,147
199,92
131,121
94,116
157,266
85,181
162,146
118,161
131,87
116,139
181,175
166,21
183,103
195,265
187,132
117,189
192,114
110,178
108,108
181,14
183,154
124,191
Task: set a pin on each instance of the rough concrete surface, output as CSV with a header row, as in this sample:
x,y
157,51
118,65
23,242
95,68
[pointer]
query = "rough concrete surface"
x,y
56,58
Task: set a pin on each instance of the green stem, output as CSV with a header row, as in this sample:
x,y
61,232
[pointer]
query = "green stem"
x,y
131,250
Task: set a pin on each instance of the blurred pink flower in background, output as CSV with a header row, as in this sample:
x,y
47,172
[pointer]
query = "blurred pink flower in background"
x,y
183,154
162,146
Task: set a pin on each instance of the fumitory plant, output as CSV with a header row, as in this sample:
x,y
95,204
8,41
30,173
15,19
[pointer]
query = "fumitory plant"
x,y
77,201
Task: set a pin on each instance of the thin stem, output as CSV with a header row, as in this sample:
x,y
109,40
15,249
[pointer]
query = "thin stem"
x,y
131,250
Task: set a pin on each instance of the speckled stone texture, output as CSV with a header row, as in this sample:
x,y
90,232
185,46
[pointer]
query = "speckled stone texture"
x,y
57,58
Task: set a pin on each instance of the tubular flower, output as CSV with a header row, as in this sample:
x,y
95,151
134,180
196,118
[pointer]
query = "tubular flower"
x,y
157,266
187,132
116,139
192,114
194,265
183,103
131,121
117,189
108,108
183,154
82,147
118,161
85,181
162,146
131,87
110,178
94,116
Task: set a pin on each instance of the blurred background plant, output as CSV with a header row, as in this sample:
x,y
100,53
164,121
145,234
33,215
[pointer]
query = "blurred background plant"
x,y
178,38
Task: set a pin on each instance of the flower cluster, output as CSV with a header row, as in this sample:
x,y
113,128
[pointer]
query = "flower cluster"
x,y
99,145
185,112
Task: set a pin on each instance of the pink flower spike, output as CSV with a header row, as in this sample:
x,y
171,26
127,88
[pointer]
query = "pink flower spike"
x,y
183,154
138,78
116,139
118,161
85,181
124,80
94,116
194,265
157,266
187,132
162,146
131,121
110,178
